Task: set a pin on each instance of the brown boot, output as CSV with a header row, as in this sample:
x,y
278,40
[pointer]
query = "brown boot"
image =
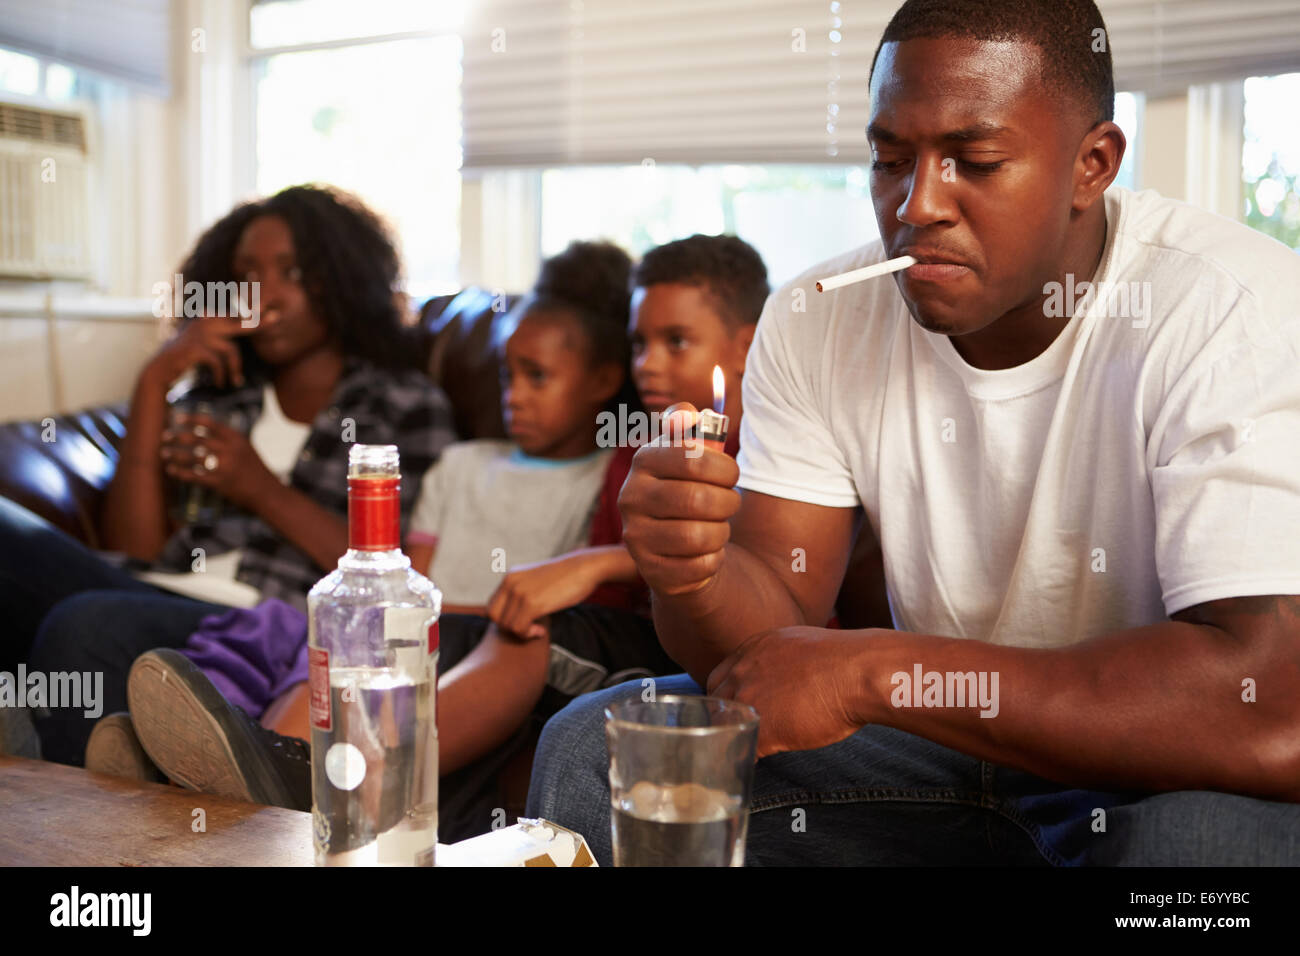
x,y
115,749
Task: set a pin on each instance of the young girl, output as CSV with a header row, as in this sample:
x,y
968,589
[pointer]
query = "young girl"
x,y
327,350
493,505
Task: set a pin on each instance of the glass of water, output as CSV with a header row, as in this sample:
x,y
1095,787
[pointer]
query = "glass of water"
x,y
192,503
680,773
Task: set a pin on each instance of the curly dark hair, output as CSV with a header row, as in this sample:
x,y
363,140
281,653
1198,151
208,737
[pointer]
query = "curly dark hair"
x,y
1066,31
350,269
727,268
592,282
590,279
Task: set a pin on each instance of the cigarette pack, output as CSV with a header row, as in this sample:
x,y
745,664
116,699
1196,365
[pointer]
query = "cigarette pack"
x,y
527,843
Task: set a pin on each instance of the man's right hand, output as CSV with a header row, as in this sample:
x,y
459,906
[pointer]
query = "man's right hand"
x,y
206,341
676,504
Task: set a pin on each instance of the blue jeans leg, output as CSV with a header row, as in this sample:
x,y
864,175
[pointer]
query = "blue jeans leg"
x,y
885,797
103,632
1198,828
880,797
1142,828
40,566
1026,819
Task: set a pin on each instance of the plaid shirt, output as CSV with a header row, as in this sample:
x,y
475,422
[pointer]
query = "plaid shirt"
x,y
402,408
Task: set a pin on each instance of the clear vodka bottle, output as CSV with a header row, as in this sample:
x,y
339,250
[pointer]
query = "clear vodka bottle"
x,y
373,650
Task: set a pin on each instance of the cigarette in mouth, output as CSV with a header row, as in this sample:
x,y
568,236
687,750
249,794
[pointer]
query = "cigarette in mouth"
x,y
861,275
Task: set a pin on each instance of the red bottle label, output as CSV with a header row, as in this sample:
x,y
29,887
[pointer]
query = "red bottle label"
x,y
374,513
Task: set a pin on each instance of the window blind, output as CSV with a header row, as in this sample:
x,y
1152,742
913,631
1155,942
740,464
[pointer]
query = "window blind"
x,y
558,82
594,81
127,39
1164,46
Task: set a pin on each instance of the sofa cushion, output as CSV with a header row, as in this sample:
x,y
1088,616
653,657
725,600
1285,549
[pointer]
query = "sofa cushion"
x,y
466,331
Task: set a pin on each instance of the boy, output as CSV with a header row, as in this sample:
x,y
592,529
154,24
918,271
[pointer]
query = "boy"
x,y
695,305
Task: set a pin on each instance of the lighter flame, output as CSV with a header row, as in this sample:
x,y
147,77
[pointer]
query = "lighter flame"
x,y
719,390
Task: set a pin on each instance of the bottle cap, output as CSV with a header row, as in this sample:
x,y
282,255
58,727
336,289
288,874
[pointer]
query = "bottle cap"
x,y
373,460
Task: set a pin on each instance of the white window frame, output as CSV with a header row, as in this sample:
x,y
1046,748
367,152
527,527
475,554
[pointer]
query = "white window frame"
x,y
500,225
1208,119
1215,141
500,228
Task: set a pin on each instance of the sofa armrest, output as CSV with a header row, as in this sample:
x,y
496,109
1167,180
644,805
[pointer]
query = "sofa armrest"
x,y
59,467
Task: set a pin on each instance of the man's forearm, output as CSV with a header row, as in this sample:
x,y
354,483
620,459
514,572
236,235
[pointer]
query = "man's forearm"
x,y
701,628
1153,708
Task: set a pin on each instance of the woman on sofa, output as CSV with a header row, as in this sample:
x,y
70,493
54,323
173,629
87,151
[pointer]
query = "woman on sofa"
x,y
323,363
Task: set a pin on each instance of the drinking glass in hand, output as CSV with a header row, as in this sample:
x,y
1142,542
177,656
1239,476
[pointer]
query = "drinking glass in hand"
x,y
193,503
680,773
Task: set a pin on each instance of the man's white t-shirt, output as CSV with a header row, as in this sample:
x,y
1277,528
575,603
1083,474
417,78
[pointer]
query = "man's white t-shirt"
x,y
1146,462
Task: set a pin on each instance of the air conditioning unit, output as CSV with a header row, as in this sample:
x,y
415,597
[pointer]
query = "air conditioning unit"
x,y
44,193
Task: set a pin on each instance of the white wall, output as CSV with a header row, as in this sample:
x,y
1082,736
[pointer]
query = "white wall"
x,y
1191,147
166,168
60,352
1164,164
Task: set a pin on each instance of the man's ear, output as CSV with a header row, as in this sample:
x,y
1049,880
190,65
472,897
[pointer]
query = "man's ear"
x,y
1098,162
741,341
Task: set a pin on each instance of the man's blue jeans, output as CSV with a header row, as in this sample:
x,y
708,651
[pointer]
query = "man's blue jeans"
x,y
885,797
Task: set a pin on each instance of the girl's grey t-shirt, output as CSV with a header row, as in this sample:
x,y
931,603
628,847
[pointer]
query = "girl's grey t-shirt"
x,y
491,509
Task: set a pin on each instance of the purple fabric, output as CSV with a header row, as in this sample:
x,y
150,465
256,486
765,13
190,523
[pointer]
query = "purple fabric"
x,y
252,655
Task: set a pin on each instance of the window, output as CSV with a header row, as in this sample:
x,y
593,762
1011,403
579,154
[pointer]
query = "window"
x,y
19,73
795,216
1128,107
1270,161
378,116
61,83
36,76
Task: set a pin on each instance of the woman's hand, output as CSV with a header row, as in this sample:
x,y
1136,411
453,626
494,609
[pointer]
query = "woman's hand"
x,y
206,452
533,591
207,341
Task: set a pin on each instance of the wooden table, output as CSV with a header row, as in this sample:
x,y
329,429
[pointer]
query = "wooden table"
x,y
54,815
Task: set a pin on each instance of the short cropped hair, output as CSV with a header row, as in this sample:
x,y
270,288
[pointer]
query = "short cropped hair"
x,y
1071,34
729,270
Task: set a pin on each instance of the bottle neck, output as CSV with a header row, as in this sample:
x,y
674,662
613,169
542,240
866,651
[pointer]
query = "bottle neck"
x,y
374,512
